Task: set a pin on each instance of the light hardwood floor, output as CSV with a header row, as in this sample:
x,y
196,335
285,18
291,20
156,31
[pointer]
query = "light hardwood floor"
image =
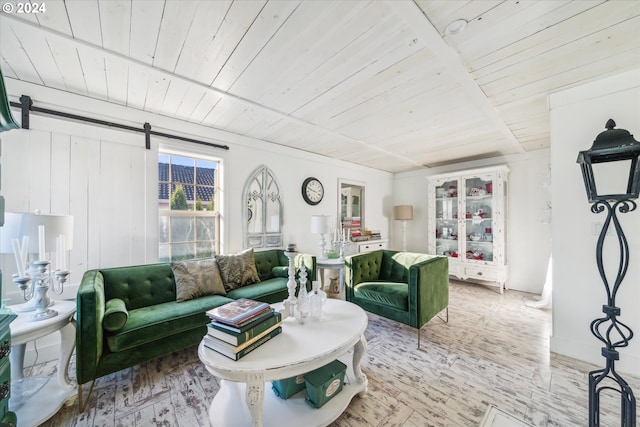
x,y
494,350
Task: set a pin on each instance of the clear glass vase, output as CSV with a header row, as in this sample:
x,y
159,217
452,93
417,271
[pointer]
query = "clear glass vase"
x,y
316,302
303,307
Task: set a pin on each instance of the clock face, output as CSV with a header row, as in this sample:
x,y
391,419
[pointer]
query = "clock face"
x,y
312,191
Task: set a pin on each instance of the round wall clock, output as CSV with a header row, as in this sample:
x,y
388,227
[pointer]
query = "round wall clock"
x,y
312,191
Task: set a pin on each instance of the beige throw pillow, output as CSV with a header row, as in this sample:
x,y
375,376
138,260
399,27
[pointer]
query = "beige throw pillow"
x,y
197,278
238,270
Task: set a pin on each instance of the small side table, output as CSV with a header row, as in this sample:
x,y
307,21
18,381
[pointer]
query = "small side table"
x,y
331,264
34,408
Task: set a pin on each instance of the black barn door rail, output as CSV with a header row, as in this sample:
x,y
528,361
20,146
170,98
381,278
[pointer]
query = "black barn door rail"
x,y
26,105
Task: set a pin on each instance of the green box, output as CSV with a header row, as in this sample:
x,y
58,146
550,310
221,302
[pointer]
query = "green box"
x,y
324,383
287,387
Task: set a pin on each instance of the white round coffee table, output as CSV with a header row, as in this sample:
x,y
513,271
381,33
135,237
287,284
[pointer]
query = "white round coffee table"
x,y
242,400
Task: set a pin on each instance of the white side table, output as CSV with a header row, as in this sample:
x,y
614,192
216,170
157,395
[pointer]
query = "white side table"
x,y
331,264
34,408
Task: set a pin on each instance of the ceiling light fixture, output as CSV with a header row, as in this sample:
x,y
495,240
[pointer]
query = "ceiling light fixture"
x,y
455,27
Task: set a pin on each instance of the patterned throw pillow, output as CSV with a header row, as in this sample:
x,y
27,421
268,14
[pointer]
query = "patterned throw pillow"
x,y
197,278
238,270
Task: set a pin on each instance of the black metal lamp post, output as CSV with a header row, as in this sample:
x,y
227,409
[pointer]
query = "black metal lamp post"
x,y
612,145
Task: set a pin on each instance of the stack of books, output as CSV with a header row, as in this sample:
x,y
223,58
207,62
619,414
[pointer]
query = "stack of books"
x,y
241,326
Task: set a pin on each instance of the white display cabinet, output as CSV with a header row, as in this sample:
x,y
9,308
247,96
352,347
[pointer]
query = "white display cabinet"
x,y
467,222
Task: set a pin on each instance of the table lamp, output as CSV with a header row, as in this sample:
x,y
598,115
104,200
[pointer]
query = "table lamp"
x,y
403,213
320,225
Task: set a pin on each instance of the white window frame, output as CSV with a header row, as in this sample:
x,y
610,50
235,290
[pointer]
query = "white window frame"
x,y
192,213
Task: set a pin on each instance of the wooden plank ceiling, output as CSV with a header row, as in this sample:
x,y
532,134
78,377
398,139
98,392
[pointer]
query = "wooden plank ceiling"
x,y
377,83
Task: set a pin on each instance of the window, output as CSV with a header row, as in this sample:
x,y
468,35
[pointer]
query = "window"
x,y
188,191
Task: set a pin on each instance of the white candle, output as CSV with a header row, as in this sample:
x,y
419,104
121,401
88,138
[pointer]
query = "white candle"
x,y
25,250
18,255
63,253
57,263
41,249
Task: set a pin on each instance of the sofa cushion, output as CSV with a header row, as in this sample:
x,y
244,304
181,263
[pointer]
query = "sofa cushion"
x,y
197,278
141,285
266,261
393,294
115,315
238,270
271,291
280,272
148,324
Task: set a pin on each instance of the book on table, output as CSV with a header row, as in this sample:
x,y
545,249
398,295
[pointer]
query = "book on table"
x,y
237,311
258,326
246,324
237,352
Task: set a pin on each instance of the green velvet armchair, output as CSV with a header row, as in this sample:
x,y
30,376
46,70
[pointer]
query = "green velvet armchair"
x,y
407,287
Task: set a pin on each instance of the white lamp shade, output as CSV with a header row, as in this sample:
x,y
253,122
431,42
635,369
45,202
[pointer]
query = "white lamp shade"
x,y
320,224
9,231
403,212
18,225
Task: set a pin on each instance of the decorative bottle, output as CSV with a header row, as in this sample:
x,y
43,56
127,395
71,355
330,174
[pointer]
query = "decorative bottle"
x,y
316,301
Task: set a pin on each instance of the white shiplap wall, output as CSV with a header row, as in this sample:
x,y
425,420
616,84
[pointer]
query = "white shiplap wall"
x,y
100,176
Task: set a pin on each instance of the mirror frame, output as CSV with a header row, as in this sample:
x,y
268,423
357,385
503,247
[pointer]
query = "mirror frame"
x,y
264,238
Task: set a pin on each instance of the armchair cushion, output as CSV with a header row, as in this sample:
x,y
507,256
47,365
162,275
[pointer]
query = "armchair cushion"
x,y
115,315
393,294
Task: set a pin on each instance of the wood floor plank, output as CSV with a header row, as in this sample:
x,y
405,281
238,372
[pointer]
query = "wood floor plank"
x,y
495,349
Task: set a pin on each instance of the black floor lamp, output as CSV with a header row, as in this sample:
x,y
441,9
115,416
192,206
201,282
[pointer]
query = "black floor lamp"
x,y
618,149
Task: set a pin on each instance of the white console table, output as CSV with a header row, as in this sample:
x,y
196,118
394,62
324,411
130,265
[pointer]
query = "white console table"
x,y
33,408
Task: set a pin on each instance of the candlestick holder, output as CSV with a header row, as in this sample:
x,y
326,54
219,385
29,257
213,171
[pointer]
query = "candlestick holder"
x,y
35,286
341,246
290,303
303,308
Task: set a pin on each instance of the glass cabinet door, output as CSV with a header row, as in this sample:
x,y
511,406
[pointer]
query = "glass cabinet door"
x,y
478,218
467,213
447,229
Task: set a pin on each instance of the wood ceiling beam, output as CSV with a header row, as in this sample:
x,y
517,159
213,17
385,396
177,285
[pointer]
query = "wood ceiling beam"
x,y
419,22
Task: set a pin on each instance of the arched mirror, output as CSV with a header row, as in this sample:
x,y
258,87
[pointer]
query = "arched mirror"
x,y
351,204
262,211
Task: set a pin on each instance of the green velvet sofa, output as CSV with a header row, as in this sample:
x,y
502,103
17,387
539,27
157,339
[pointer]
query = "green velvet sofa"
x,y
156,324
410,288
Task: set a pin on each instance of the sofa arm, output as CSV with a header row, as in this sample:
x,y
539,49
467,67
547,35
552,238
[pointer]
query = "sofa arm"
x,y
428,289
90,302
